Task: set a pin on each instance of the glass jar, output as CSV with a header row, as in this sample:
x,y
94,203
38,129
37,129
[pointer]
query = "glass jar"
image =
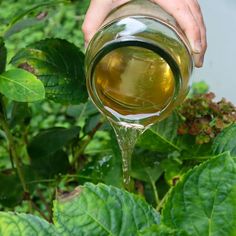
x,y
138,64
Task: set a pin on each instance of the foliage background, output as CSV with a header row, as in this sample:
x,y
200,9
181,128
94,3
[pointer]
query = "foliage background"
x,y
60,21
62,146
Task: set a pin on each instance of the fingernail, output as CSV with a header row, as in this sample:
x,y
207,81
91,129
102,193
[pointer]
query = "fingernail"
x,y
197,47
201,61
198,60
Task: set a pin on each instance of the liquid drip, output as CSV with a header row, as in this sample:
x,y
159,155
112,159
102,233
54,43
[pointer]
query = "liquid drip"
x,y
134,88
127,136
133,84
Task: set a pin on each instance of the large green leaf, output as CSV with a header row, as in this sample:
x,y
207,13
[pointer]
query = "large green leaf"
x,y
226,141
101,210
3,56
204,202
162,137
45,150
21,86
51,165
13,224
91,210
59,65
49,141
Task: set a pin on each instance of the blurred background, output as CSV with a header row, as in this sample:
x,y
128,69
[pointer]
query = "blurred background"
x,y
218,70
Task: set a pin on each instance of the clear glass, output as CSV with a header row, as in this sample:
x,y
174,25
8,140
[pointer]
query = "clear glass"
x,y
138,64
138,67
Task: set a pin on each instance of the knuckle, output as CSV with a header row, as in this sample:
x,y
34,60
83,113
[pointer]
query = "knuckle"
x,y
87,31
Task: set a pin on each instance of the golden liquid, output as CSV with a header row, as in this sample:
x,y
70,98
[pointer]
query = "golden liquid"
x,y
134,83
133,86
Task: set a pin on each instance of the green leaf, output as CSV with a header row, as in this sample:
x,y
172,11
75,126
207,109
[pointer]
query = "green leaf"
x,y
199,88
51,165
59,65
146,166
3,56
162,137
82,110
21,86
21,25
45,151
102,210
96,170
23,13
11,192
204,201
21,224
91,123
172,169
161,230
51,140
114,175
105,165
90,210
226,141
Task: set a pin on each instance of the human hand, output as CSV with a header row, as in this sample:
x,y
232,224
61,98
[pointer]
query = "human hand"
x,y
186,12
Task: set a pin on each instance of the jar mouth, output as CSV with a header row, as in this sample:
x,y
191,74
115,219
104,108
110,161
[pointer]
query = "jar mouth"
x,y
131,41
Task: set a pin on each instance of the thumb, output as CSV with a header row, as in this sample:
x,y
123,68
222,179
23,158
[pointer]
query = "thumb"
x,y
97,12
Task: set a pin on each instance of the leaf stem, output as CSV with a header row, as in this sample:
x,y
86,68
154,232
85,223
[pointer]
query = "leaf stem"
x,y
3,117
86,142
13,155
12,149
42,198
163,200
155,192
35,207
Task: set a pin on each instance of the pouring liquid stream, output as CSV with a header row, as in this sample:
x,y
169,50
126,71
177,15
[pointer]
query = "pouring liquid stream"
x,y
134,85
127,137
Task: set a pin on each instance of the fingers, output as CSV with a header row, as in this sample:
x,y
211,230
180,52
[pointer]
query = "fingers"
x,y
96,14
196,11
188,15
186,12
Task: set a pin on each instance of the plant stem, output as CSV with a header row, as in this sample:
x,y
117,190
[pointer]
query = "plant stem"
x,y
3,117
39,211
86,142
13,155
51,205
42,198
12,149
163,200
157,200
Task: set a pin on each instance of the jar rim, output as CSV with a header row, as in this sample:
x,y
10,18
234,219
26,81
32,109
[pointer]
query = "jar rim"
x,y
135,41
